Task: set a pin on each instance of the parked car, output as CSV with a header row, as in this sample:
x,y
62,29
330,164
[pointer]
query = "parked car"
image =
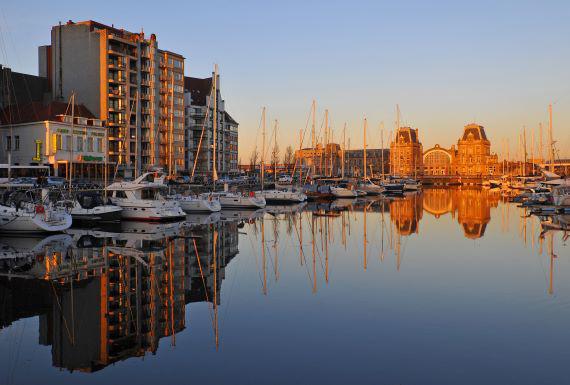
x,y
285,179
55,181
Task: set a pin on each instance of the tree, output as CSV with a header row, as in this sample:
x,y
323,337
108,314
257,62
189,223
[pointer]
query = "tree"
x,y
253,159
289,157
275,156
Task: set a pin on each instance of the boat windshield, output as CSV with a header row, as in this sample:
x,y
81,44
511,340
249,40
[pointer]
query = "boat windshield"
x,y
150,194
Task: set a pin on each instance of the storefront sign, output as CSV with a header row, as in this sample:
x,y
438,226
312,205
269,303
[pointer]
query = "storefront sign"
x,y
90,158
38,157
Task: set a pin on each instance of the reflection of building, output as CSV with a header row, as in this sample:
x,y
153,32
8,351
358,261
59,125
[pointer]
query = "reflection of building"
x,y
474,210
118,296
406,214
406,153
438,201
200,278
472,157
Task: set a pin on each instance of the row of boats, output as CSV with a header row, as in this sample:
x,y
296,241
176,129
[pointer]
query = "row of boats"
x,y
148,198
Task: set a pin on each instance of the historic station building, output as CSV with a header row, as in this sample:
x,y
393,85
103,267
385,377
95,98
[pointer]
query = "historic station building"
x,y
472,157
406,153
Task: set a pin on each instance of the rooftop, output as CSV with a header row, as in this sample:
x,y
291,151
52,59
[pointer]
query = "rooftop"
x,y
38,111
199,89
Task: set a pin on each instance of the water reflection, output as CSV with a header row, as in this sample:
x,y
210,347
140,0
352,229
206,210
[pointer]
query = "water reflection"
x,y
105,295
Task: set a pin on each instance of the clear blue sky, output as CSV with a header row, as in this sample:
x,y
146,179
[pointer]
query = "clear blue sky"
x,y
446,63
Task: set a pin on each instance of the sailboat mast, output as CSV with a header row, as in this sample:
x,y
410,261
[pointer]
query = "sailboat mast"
x,y
215,124
72,134
275,151
551,141
364,149
263,150
382,149
524,151
313,144
343,148
326,139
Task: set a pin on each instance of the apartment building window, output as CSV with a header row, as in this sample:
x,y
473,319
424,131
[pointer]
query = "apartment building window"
x,y
90,144
99,145
68,143
16,142
8,143
79,143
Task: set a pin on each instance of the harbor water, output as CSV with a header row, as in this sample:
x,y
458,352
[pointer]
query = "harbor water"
x,y
443,286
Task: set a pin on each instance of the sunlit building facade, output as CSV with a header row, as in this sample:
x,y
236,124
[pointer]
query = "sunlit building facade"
x,y
471,158
406,152
125,80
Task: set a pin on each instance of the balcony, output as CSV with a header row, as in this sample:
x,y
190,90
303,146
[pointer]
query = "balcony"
x,y
114,93
117,79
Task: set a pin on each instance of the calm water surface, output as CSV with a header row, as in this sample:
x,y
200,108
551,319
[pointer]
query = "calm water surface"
x,y
442,287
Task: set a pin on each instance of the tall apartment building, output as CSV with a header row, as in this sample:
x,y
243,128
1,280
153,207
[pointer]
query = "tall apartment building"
x,y
199,104
125,79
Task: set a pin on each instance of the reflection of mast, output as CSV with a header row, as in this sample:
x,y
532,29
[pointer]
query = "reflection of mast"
x,y
364,236
552,256
215,255
314,256
327,250
275,250
263,262
301,238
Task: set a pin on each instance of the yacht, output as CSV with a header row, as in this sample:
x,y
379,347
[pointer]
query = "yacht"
x,y
370,188
318,192
284,196
393,187
19,213
201,204
343,191
142,199
253,200
89,206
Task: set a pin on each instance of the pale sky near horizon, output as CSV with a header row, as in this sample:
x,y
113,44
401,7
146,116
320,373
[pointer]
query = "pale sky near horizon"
x,y
446,63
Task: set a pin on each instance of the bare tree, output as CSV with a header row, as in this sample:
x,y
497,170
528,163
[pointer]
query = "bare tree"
x,y
275,156
253,159
289,157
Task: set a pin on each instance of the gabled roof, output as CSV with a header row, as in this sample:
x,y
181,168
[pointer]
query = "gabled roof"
x,y
39,112
199,89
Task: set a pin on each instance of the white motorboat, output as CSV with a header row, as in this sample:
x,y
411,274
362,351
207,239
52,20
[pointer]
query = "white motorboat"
x,y
342,191
201,204
20,214
284,196
89,206
142,199
370,188
230,200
